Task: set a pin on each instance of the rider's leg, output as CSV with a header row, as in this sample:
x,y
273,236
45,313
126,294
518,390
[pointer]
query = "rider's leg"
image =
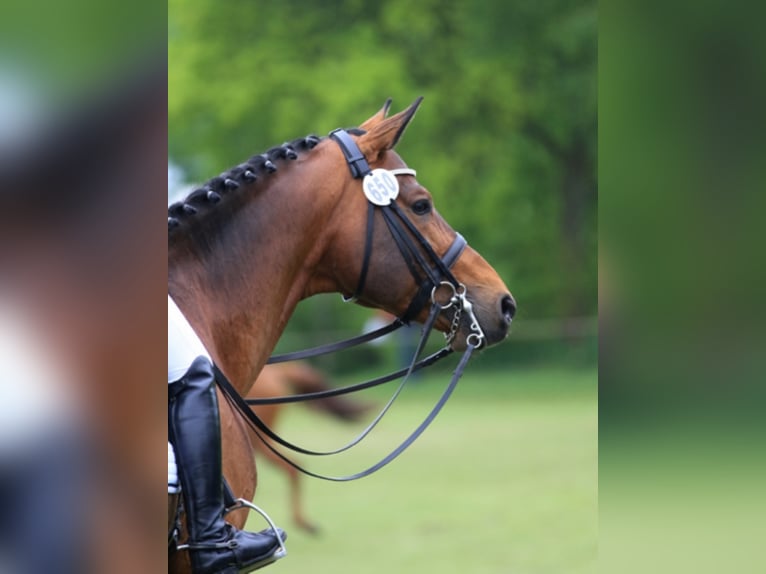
x,y
215,546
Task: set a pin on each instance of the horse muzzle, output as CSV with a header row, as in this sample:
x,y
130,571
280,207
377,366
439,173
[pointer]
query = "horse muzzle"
x,y
493,320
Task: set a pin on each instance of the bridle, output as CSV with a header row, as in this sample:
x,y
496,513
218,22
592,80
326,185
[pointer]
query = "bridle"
x,y
433,279
384,202
399,225
436,284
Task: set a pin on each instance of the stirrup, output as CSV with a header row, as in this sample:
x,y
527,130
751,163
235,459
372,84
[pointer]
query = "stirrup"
x,y
281,552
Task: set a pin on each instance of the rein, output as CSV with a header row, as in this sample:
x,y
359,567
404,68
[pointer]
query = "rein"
x,y
237,402
338,345
381,188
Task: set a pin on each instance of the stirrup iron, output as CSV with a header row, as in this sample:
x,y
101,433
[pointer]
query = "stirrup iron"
x,y
281,552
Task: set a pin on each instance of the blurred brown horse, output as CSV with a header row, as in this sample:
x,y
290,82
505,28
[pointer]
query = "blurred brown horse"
x,y
244,249
296,378
82,258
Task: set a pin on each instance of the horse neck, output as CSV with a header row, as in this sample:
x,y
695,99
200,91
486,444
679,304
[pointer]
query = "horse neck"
x,y
239,291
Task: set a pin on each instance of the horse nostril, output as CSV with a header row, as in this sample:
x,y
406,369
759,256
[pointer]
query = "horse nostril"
x,y
508,308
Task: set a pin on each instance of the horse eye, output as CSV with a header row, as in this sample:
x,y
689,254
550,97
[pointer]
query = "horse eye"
x,y
421,207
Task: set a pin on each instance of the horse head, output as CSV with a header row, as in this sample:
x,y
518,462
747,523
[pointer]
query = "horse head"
x,y
369,259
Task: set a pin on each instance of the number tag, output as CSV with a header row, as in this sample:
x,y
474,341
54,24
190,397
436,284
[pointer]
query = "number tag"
x,y
380,186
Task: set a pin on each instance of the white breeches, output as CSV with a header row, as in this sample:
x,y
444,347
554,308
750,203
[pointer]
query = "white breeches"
x,y
183,343
183,347
173,484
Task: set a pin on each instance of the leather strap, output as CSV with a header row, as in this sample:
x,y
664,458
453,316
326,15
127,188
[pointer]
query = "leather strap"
x,y
337,346
354,156
237,402
367,255
279,440
427,362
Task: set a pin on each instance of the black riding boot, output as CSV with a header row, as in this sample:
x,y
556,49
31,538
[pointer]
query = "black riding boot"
x,y
215,547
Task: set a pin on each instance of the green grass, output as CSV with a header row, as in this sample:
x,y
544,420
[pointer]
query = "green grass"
x,y
505,481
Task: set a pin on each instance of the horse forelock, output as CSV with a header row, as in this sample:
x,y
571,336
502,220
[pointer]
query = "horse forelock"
x,y
256,169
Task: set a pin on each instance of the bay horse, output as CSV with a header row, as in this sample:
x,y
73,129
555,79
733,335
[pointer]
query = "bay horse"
x,y
290,378
247,246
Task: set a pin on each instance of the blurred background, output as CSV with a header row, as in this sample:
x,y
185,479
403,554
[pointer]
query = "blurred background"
x,y
506,480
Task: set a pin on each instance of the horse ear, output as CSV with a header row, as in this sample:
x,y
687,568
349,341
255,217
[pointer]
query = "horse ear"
x,y
385,134
378,117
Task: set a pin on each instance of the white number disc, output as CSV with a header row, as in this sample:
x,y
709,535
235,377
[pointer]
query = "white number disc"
x,y
380,186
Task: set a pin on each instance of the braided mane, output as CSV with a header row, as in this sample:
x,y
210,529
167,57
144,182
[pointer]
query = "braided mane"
x,y
216,189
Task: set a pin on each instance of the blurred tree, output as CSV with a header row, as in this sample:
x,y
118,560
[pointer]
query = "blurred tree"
x,y
506,138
